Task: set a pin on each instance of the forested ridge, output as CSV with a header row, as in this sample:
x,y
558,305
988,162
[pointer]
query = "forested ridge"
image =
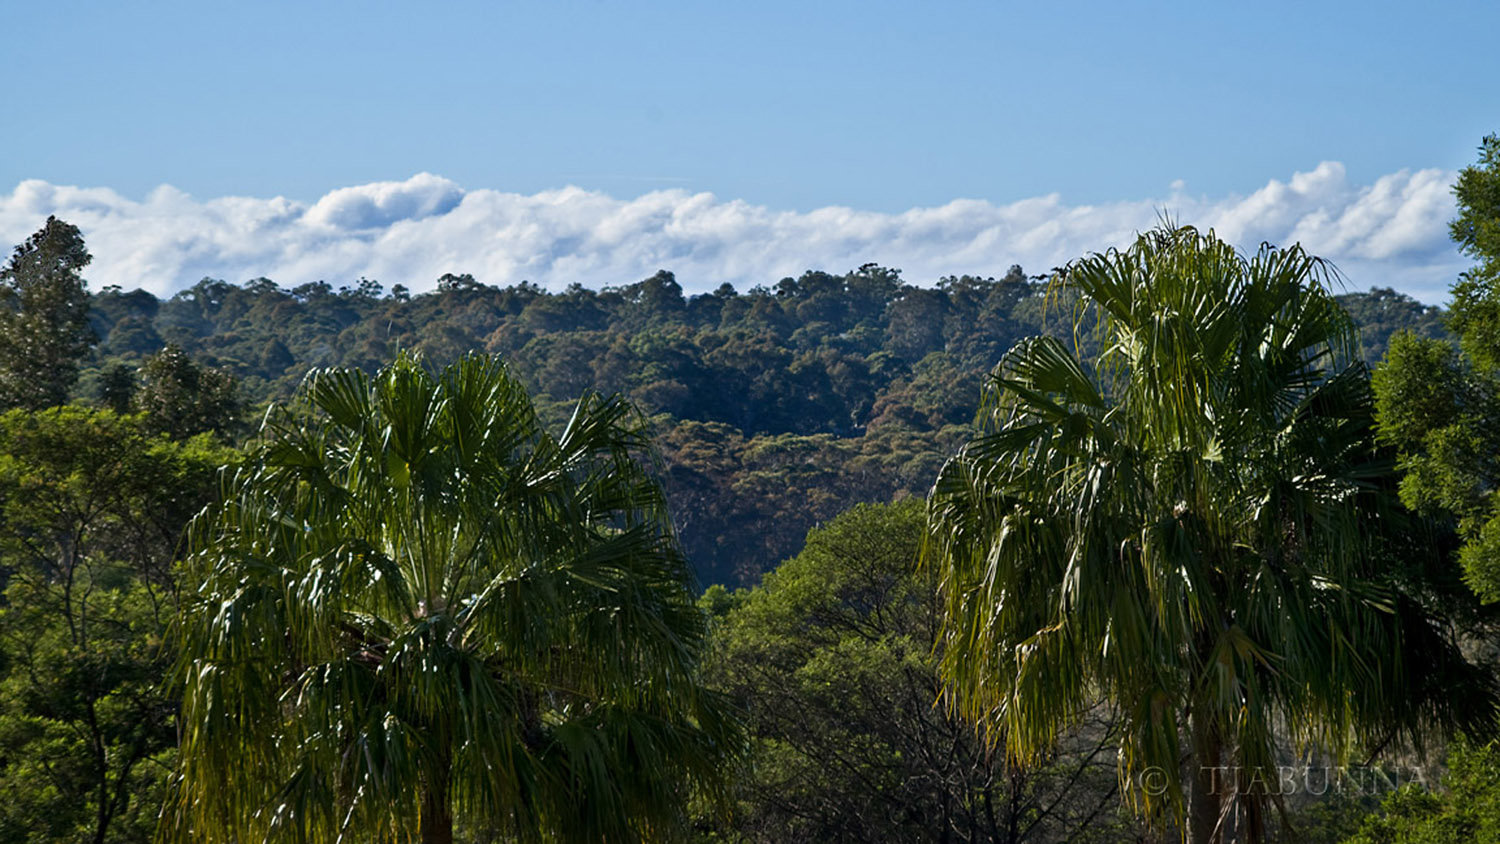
x,y
774,408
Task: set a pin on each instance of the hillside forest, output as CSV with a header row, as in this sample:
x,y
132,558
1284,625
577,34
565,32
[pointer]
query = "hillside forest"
x,y
1132,549
772,409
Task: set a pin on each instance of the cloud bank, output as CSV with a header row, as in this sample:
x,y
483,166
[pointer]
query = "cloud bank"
x,y
1389,233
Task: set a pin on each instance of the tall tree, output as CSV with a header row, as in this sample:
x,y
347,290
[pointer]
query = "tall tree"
x,y
181,397
44,327
92,509
1188,522
417,607
1476,302
1441,406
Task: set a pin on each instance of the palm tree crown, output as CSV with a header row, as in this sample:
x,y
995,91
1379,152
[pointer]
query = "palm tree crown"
x,y
1188,521
415,606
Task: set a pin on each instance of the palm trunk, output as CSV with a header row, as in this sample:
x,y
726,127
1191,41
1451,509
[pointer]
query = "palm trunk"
x,y
437,815
1209,783
437,809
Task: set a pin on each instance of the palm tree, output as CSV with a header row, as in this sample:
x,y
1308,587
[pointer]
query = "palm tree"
x,y
1189,522
415,607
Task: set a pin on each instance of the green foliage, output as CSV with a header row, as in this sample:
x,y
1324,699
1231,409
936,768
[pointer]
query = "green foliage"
x,y
427,608
1194,522
417,606
85,733
1436,410
93,506
1476,302
44,326
832,659
117,388
180,397
1466,810
740,502
798,370
851,370
1439,407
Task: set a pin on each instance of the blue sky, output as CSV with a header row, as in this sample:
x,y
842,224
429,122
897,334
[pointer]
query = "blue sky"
x,y
789,107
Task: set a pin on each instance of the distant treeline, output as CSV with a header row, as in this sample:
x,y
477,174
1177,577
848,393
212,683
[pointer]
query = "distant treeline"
x,y
774,409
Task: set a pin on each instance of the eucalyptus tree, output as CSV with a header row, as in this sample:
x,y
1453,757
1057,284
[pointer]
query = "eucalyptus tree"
x,y
44,326
1189,522
417,608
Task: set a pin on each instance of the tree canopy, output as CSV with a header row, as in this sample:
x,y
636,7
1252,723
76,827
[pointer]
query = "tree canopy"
x,y
93,506
417,608
811,394
442,599
1188,521
1438,405
834,660
44,328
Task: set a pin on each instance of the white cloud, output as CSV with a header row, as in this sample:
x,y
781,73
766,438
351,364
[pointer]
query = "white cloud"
x,y
1390,233
382,204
